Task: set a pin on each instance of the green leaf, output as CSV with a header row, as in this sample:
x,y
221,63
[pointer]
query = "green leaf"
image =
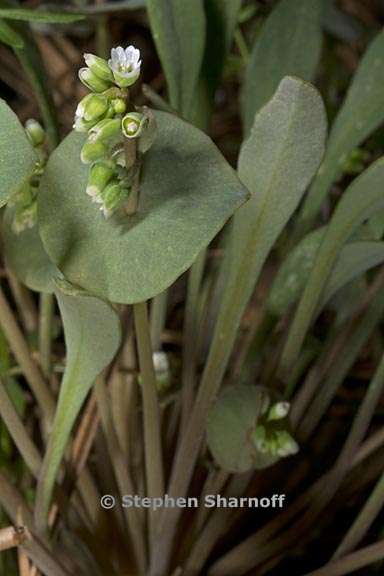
x,y
221,22
188,191
289,44
92,336
361,200
361,113
231,420
355,258
276,163
48,17
9,36
293,273
25,255
17,157
178,28
109,7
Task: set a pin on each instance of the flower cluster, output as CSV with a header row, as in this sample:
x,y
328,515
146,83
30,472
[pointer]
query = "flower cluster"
x,y
118,133
24,202
270,435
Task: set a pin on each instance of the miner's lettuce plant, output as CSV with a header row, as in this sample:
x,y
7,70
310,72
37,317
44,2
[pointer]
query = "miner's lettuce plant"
x,y
113,220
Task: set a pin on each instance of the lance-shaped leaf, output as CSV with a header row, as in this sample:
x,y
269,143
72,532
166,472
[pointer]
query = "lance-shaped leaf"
x,y
355,259
9,36
92,337
221,22
293,273
361,113
187,193
25,255
276,163
178,28
17,156
289,44
31,15
362,199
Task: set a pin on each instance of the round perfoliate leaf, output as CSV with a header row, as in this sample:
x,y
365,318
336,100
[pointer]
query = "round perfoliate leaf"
x,y
17,157
26,256
187,192
231,427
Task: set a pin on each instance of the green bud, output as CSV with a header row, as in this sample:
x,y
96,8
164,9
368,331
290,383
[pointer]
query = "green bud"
x,y
286,445
99,67
112,196
133,124
92,152
35,132
119,105
278,411
99,176
105,130
92,107
91,81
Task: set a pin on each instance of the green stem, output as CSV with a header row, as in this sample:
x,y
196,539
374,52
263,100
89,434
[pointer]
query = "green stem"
x,y
22,354
45,332
158,318
241,45
151,412
190,337
123,478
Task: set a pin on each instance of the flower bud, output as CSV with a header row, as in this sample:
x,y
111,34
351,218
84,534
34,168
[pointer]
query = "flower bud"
x,y
133,124
91,81
93,151
99,67
119,105
286,445
99,176
92,107
35,132
112,196
105,130
278,411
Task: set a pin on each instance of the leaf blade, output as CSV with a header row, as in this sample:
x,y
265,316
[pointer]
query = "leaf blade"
x,y
362,112
361,200
89,351
179,32
17,160
48,17
289,44
131,259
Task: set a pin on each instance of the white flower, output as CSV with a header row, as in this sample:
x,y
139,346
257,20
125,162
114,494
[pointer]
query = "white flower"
x,y
125,65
